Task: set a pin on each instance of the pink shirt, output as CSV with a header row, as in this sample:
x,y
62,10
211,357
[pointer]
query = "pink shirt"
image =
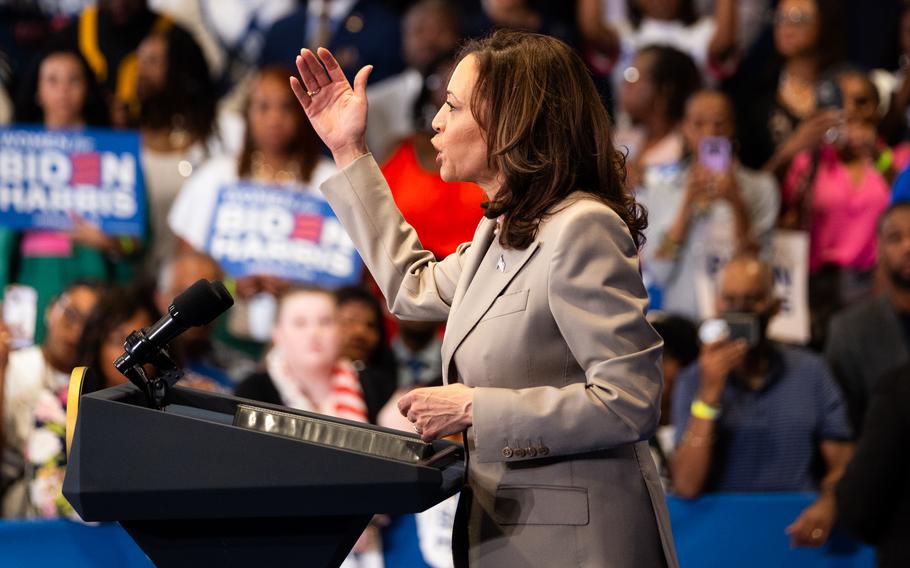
x,y
843,215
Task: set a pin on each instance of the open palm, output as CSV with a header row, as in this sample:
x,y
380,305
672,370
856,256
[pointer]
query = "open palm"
x,y
337,112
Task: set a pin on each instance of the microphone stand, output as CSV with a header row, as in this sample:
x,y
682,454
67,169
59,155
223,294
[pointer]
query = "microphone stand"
x,y
155,390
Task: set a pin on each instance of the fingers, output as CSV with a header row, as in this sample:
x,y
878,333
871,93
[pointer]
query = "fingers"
x,y
310,82
316,71
404,404
331,66
300,93
360,80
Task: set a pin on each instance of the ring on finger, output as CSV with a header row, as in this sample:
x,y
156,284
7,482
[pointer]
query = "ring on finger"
x,y
314,93
816,534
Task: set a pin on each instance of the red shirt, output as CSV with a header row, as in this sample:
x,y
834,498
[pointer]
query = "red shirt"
x,y
444,214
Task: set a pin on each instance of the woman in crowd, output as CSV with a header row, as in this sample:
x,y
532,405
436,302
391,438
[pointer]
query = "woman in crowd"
x,y
546,329
705,212
61,93
279,149
779,110
837,192
653,97
177,124
119,312
364,342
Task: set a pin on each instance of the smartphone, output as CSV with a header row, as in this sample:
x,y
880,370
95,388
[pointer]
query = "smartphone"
x,y
714,153
743,326
20,312
828,94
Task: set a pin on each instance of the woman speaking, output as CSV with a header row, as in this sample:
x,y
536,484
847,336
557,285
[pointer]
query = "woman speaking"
x,y
550,366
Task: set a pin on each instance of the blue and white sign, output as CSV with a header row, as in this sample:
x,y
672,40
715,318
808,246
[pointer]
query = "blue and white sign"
x,y
277,231
48,178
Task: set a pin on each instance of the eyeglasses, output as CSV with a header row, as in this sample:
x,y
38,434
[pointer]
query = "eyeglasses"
x,y
793,17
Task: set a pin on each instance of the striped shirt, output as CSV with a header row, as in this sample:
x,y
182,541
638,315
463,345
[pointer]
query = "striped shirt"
x,y
767,439
345,400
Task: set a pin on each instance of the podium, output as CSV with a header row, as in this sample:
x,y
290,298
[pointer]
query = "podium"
x,y
215,480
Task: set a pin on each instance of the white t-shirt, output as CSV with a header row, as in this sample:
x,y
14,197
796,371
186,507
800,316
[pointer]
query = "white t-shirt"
x,y
191,214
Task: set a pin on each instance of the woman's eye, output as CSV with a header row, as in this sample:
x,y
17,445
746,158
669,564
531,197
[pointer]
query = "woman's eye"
x,y
451,106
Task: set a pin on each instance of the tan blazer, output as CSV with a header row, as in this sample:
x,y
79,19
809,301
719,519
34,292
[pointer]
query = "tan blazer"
x,y
566,372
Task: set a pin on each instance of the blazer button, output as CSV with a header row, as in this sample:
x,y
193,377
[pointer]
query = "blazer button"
x,y
531,451
507,452
519,453
543,450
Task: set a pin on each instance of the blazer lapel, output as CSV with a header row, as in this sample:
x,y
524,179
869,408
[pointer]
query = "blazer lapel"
x,y
486,284
475,256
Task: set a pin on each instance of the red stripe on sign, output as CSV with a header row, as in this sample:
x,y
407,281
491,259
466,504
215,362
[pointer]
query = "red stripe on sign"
x,y
86,169
307,227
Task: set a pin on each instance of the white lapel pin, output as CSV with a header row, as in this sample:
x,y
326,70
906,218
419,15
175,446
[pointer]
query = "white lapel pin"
x,y
501,264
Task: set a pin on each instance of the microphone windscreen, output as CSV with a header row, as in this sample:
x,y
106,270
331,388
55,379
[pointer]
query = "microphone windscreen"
x,y
201,303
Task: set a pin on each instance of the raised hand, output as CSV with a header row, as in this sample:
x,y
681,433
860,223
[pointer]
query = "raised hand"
x,y
337,112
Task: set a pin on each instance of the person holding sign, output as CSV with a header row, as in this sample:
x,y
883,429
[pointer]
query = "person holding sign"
x,y
61,93
280,153
552,371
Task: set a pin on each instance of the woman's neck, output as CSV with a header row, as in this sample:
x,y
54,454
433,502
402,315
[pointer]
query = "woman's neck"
x,y
802,69
272,167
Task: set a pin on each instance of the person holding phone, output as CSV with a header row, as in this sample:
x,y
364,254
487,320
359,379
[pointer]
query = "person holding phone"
x,y
751,414
703,213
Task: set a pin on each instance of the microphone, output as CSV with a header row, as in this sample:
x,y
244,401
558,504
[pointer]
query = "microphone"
x,y
197,305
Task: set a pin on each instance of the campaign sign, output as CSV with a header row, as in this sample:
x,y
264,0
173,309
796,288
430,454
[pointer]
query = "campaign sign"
x,y
49,177
258,229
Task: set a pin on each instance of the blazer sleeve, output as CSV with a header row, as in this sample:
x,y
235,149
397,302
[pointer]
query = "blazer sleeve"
x,y
415,284
597,298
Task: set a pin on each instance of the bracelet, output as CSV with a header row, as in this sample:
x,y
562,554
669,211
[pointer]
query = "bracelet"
x,y
885,161
701,409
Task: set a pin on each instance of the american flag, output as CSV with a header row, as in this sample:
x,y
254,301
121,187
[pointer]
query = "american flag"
x,y
307,227
86,169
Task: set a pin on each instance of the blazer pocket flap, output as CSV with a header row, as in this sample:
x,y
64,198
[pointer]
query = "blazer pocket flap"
x,y
506,304
541,505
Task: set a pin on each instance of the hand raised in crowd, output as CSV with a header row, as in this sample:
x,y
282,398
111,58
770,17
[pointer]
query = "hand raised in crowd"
x,y
813,526
437,412
811,132
716,361
337,112
86,233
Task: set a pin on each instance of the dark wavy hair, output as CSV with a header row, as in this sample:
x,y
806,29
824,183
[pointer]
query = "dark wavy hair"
x,y
28,111
674,75
189,89
115,306
547,131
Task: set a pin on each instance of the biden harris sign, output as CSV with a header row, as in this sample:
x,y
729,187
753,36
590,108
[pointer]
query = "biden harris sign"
x,y
49,178
281,231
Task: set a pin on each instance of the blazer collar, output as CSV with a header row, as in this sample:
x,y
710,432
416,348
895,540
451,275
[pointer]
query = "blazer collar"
x,y
479,286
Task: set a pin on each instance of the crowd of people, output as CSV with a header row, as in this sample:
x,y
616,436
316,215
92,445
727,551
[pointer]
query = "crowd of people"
x,y
743,124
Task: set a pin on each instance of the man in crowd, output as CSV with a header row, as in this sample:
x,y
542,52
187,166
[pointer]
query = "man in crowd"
x,y
31,372
751,417
873,337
